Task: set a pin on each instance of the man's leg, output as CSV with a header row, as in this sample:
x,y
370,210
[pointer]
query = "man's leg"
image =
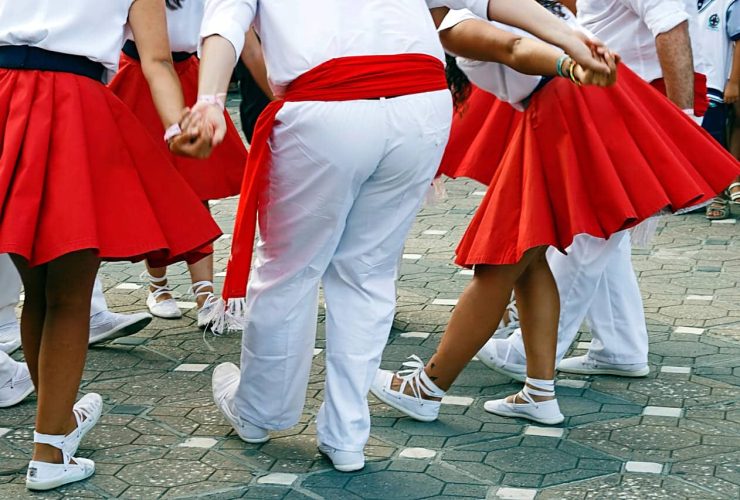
x,y
359,284
10,291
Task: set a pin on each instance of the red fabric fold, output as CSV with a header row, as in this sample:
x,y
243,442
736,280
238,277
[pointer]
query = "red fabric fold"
x,y
701,98
342,79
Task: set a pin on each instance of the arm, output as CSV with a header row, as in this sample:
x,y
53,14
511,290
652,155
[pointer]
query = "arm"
x,y
732,89
149,26
254,60
479,40
677,64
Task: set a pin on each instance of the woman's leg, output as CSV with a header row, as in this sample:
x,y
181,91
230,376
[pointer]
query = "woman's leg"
x,y
61,348
476,316
202,271
158,279
33,313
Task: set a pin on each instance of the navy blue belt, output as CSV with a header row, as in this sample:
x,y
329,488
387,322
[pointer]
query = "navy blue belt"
x,y
716,95
543,81
129,48
34,58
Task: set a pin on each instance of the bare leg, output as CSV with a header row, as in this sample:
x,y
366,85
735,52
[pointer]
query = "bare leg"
x,y
477,314
160,274
202,271
59,353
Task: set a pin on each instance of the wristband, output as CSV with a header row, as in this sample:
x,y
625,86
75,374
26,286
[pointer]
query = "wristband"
x,y
217,99
559,65
172,131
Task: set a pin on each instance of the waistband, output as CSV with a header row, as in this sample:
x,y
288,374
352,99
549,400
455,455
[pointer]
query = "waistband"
x,y
129,48
716,95
543,81
25,57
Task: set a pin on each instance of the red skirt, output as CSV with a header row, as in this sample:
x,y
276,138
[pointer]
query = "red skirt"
x,y
595,161
479,137
220,176
78,172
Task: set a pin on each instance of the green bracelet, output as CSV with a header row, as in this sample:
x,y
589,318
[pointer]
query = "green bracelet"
x,y
559,65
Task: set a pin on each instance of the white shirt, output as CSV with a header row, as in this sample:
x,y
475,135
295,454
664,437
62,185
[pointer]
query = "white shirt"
x,y
298,35
183,26
717,29
505,83
88,28
629,27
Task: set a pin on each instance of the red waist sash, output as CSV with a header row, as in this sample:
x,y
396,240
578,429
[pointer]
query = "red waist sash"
x,y
701,98
342,79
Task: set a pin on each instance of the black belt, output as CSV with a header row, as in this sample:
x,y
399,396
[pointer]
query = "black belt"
x,y
34,58
543,81
129,48
716,95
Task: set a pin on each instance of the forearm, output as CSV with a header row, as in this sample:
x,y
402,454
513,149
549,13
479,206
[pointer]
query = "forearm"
x,y
735,71
677,64
254,60
217,64
481,41
533,18
164,85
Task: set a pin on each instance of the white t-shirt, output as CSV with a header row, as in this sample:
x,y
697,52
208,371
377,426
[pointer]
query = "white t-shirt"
x,y
505,83
90,28
298,35
629,27
183,26
719,25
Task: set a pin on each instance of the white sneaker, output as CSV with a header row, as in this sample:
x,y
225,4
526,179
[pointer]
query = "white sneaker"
x,y
10,337
166,309
106,325
43,476
414,377
500,356
17,388
344,461
544,412
586,365
224,384
87,412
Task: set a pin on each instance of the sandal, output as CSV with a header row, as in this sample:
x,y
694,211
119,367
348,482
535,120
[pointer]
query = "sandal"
x,y
719,209
734,196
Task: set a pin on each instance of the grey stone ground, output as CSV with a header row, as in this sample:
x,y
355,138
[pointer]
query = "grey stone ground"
x,y
674,434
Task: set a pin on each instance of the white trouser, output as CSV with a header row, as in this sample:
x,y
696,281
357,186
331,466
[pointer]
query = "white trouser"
x,y
10,291
596,281
346,182
7,368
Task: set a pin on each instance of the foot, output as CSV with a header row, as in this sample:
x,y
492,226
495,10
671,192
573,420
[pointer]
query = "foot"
x,y
17,388
225,383
586,365
42,476
106,326
500,356
207,304
719,209
10,337
409,391
87,412
160,301
344,461
532,402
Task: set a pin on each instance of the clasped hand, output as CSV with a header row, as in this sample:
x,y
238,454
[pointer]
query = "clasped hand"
x,y
203,127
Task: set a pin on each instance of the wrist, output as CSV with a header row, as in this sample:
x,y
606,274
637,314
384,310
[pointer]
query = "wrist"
x,y
172,131
214,99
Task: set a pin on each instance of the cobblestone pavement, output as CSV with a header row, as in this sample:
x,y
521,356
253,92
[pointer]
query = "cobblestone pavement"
x,y
674,434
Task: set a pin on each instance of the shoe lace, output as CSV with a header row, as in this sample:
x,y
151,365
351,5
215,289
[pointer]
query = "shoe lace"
x,y
530,390
159,290
415,378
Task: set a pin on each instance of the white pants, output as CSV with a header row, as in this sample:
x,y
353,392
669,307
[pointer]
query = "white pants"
x,y
10,291
7,368
596,281
347,180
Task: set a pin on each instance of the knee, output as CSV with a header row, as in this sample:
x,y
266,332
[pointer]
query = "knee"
x,y
61,299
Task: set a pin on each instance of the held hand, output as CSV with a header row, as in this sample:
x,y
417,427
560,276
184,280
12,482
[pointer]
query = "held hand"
x,y
194,140
211,118
732,92
588,52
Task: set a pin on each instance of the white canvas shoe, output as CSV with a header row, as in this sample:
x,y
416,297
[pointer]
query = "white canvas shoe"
x,y
544,412
17,388
10,337
344,461
42,476
224,384
500,356
166,309
106,326
413,377
586,365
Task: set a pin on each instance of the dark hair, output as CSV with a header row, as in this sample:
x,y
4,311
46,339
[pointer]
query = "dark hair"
x,y
174,4
458,83
553,6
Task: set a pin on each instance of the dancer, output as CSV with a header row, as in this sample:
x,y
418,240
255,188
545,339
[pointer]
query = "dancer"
x,y
653,38
719,21
105,325
542,195
345,180
82,181
218,177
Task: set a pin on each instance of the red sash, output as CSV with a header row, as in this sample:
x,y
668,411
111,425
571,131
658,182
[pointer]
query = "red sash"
x,y
342,79
701,98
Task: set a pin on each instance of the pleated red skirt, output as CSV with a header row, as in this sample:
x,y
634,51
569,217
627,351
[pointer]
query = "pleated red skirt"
x,y
219,176
595,161
78,171
479,137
